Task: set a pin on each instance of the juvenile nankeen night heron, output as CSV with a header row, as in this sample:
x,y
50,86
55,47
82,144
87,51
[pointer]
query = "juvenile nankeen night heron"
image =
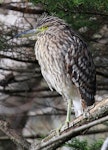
x,y
66,63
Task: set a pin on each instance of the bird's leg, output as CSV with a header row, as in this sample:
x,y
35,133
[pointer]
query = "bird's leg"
x,y
67,118
68,112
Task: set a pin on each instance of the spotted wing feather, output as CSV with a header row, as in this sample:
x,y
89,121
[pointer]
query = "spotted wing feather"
x,y
81,69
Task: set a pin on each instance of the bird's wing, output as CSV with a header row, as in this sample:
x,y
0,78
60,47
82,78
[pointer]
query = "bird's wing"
x,y
81,69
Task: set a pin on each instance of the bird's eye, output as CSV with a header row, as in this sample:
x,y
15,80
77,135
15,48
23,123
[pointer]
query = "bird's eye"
x,y
43,28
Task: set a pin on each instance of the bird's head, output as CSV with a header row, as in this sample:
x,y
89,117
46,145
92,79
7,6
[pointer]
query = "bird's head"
x,y
50,23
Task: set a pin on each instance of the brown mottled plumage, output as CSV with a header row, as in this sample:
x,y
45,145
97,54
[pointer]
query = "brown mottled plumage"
x,y
66,63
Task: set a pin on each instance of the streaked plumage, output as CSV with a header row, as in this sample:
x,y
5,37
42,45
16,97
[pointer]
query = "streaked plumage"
x,y
65,61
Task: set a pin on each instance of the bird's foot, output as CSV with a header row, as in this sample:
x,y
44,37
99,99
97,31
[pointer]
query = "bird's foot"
x,y
86,113
57,130
62,127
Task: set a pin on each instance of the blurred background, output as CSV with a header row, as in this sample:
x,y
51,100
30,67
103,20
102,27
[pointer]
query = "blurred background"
x,y
26,102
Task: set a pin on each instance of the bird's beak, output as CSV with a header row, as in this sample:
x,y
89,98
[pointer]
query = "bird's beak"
x,y
28,33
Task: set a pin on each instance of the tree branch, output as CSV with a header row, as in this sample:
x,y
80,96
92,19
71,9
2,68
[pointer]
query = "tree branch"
x,y
22,9
77,127
98,131
81,125
13,135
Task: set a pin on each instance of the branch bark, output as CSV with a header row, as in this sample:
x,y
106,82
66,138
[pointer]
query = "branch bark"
x,y
23,10
97,115
13,135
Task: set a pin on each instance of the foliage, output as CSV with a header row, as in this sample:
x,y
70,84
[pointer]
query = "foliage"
x,y
86,5
96,145
78,13
76,144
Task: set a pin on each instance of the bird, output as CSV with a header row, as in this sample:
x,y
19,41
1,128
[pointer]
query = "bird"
x,y
66,63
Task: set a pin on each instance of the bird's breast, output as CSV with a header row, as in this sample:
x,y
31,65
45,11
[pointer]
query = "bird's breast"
x,y
51,61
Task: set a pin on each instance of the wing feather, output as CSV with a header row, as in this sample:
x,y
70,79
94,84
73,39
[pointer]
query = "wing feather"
x,y
81,69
